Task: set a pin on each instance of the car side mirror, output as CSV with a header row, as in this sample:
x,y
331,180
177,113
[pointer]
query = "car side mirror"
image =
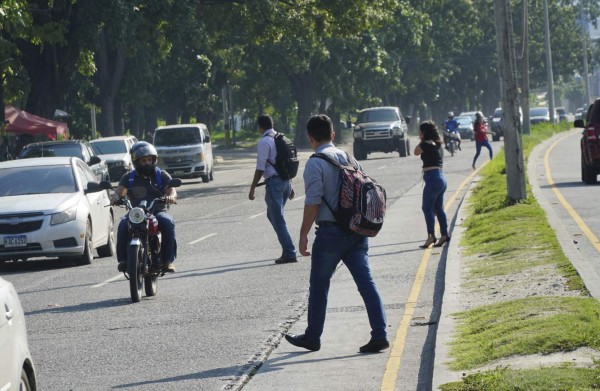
x,y
105,185
94,160
407,119
175,182
93,187
206,138
578,123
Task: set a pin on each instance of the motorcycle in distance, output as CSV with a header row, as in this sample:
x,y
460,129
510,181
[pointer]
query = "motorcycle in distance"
x,y
144,265
452,141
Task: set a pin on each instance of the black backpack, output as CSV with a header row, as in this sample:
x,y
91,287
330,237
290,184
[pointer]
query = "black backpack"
x,y
286,161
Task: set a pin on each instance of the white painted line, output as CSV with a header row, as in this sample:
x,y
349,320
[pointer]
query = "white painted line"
x,y
241,184
255,216
109,281
382,167
299,198
202,238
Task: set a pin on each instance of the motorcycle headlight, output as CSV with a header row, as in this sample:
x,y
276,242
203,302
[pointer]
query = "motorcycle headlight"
x,y
136,215
64,216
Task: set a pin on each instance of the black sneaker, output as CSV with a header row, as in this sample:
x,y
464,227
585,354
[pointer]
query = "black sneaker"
x,y
375,346
122,267
284,259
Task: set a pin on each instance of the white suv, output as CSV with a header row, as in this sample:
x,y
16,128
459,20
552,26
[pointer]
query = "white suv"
x,y
115,151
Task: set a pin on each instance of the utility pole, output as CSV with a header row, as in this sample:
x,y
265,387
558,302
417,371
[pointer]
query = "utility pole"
x,y
225,115
513,145
584,39
525,79
549,76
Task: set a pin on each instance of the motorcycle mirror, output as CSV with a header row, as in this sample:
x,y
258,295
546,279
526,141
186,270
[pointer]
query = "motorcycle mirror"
x,y
175,182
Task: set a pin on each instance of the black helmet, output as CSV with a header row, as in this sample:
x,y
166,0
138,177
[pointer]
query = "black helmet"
x,y
142,149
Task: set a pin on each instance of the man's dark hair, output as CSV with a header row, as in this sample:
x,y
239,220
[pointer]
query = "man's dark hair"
x,y
320,127
265,122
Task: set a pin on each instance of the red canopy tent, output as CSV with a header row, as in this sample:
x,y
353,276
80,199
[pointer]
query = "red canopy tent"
x,y
21,122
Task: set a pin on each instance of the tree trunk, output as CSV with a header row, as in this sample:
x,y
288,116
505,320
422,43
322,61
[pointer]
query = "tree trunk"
x,y
303,87
111,66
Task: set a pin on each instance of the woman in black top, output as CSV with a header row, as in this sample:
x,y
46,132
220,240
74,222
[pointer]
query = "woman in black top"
x,y
431,151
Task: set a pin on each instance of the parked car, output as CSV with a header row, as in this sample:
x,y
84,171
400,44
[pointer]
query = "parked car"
x,y
76,148
53,207
115,152
470,114
381,129
590,143
561,113
185,150
17,371
498,123
465,127
539,114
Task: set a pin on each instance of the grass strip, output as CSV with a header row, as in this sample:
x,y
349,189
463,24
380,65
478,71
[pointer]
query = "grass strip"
x,y
502,239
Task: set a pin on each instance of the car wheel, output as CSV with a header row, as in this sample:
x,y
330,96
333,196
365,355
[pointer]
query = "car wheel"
x,y
212,174
402,148
205,178
588,175
24,383
359,152
110,248
88,252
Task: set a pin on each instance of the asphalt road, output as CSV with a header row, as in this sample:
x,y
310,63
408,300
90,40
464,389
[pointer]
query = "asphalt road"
x,y
228,301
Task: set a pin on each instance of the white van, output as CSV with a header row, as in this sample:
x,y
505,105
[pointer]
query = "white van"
x,y
185,151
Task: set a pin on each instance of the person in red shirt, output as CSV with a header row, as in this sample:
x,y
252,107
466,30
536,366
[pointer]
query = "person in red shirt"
x,y
481,139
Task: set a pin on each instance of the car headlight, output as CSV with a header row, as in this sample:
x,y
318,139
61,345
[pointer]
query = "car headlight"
x,y
198,158
396,130
64,216
358,133
136,215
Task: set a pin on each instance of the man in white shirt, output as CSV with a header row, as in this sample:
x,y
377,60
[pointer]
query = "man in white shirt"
x,y
277,191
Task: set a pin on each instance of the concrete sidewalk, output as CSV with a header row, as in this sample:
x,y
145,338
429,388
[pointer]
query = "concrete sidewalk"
x,y
339,365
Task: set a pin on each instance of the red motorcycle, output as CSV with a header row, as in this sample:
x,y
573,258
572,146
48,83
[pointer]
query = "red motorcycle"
x,y
144,264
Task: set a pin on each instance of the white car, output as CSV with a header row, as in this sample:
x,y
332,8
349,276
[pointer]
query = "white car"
x,y
17,371
115,151
53,207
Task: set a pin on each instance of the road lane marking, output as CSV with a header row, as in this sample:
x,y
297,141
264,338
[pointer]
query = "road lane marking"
x,y
256,215
388,383
298,198
382,167
109,281
203,238
574,215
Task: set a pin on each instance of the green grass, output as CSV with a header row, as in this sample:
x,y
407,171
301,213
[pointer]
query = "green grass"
x,y
503,238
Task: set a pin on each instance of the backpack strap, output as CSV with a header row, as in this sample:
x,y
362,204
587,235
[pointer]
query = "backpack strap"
x,y
335,162
274,135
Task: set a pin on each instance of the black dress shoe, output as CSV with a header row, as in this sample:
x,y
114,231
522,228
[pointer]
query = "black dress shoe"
x,y
122,267
284,259
301,341
375,346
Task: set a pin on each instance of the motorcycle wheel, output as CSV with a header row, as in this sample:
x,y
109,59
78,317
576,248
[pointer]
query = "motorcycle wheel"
x,y
135,263
151,285
452,147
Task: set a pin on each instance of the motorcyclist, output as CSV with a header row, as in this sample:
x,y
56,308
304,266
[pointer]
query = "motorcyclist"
x,y
451,126
147,182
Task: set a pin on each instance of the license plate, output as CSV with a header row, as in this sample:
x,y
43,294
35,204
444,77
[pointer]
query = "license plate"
x,y
15,241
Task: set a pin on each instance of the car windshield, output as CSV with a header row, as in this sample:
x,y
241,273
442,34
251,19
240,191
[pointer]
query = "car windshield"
x,y
463,121
51,151
177,136
378,116
539,112
17,181
108,147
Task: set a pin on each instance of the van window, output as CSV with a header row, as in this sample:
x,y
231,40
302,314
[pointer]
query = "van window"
x,y
177,136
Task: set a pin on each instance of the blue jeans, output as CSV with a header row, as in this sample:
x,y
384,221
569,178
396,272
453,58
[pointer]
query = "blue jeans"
x,y
478,145
433,201
276,195
166,225
331,245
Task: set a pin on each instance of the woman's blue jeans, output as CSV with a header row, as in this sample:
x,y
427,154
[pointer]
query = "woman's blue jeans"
x,y
433,201
276,195
478,145
331,245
